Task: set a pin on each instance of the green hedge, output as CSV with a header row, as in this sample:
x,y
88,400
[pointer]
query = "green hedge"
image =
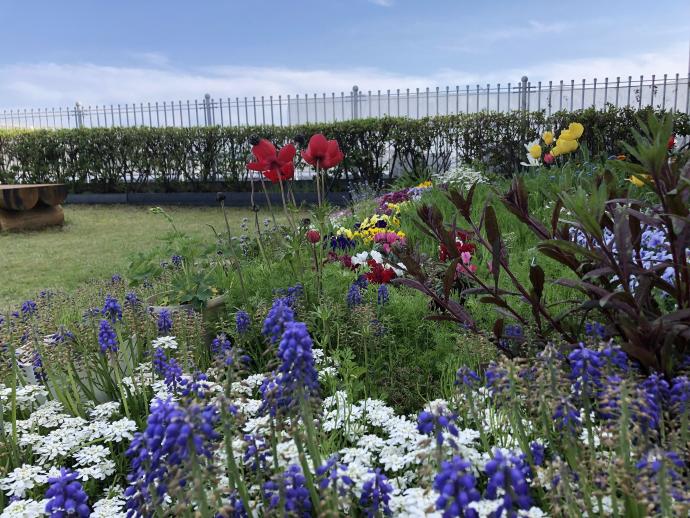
x,y
208,158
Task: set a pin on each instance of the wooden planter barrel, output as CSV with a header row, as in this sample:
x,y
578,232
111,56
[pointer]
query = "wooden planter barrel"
x,y
29,207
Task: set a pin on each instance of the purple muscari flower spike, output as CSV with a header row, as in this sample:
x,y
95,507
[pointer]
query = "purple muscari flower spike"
x,y
595,330
354,296
327,475
435,422
362,282
29,307
111,309
655,460
116,278
538,453
467,377
297,372
615,356
496,379
296,501
567,417
221,344
508,480
647,407
679,395
586,367
456,487
107,338
279,315
132,299
66,496
242,322
376,495
176,260
173,436
256,452
168,368
165,322
37,367
382,295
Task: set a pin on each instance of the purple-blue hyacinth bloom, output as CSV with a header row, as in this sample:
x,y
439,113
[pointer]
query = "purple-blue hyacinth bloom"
x,y
467,377
221,344
297,371
586,367
376,495
334,475
173,435
567,417
165,322
242,322
680,394
37,367
508,480
655,460
436,422
107,338
176,260
382,295
354,296
132,299
296,495
647,406
538,453
29,307
362,282
168,368
111,309
66,496
456,487
278,316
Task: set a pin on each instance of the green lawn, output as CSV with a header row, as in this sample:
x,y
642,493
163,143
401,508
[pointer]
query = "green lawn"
x,y
95,242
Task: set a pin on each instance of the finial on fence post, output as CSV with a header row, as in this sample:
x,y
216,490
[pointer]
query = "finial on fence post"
x,y
355,102
208,115
78,122
523,96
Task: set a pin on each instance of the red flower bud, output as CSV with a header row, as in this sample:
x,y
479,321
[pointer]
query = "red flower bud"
x,y
313,236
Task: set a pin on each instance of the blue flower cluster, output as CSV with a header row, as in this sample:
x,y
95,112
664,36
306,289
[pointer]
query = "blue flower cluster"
x,y
354,295
382,295
132,299
333,474
242,322
176,260
29,307
221,344
168,368
66,496
436,423
111,309
165,322
293,486
341,242
291,294
586,365
456,487
467,377
174,435
107,339
297,370
278,316
376,495
509,477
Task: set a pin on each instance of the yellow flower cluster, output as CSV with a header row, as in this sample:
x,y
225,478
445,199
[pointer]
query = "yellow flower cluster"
x,y
567,140
369,228
346,232
425,184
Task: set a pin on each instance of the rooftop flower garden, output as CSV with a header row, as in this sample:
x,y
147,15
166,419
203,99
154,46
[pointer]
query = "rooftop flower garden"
x,y
457,345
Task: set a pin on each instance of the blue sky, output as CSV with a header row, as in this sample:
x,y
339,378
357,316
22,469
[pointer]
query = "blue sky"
x,y
56,52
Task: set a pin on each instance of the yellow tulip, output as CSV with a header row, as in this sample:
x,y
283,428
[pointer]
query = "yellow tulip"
x,y
637,182
576,129
535,151
556,151
548,137
572,145
566,135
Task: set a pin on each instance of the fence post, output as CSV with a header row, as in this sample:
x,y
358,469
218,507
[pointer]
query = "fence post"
x,y
523,96
208,115
78,121
355,102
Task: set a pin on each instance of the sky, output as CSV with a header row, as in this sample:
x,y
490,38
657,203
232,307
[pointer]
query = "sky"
x,y
54,53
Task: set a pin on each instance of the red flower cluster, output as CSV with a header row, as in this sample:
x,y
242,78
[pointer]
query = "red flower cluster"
x,y
275,165
322,153
313,236
379,274
462,244
345,260
671,142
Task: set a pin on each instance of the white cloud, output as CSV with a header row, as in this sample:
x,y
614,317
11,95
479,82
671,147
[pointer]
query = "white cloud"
x,y
54,84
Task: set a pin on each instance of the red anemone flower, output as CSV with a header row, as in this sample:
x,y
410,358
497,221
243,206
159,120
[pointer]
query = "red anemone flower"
x,y
379,274
274,165
322,153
